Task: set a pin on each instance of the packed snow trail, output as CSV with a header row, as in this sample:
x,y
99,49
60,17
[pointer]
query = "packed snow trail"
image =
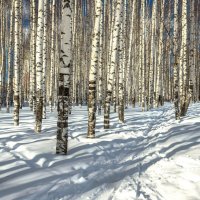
x,y
150,156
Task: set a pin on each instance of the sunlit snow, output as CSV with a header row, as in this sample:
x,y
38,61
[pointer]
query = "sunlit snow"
x,y
149,157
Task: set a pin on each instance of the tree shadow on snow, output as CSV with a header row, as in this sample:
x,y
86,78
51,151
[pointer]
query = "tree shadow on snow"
x,y
102,162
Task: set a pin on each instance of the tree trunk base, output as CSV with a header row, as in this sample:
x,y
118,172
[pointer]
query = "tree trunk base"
x,y
90,136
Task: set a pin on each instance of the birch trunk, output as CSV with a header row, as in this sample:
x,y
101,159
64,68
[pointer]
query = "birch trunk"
x,y
160,57
112,63
39,64
192,75
152,58
176,63
142,54
93,71
33,57
21,64
44,60
121,53
10,68
2,67
52,71
100,86
184,96
16,63
64,79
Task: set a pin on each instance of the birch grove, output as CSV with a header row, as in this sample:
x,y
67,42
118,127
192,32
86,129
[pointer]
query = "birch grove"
x,y
103,55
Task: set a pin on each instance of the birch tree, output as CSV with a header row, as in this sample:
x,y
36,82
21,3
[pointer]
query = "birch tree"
x,y
151,78
100,62
192,76
21,61
112,63
16,63
44,58
121,53
2,64
10,67
52,70
176,63
39,64
142,51
160,56
64,79
183,72
93,71
32,100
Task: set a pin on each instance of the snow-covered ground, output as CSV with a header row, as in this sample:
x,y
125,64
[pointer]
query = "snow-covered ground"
x,y
149,157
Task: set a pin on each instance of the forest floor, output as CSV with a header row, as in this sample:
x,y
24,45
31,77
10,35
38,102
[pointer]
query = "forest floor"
x,y
149,157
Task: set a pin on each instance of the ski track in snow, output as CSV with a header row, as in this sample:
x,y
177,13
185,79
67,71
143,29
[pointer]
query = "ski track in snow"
x,y
140,159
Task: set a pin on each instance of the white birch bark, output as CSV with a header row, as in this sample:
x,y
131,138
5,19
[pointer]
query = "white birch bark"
x,y
2,38
160,56
130,49
169,83
142,62
16,63
39,64
151,78
121,71
183,73
192,75
44,67
52,71
64,79
32,101
93,71
140,54
176,63
100,63
8,98
21,64
112,63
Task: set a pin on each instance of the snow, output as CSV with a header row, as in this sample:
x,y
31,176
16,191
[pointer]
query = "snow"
x,y
149,157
